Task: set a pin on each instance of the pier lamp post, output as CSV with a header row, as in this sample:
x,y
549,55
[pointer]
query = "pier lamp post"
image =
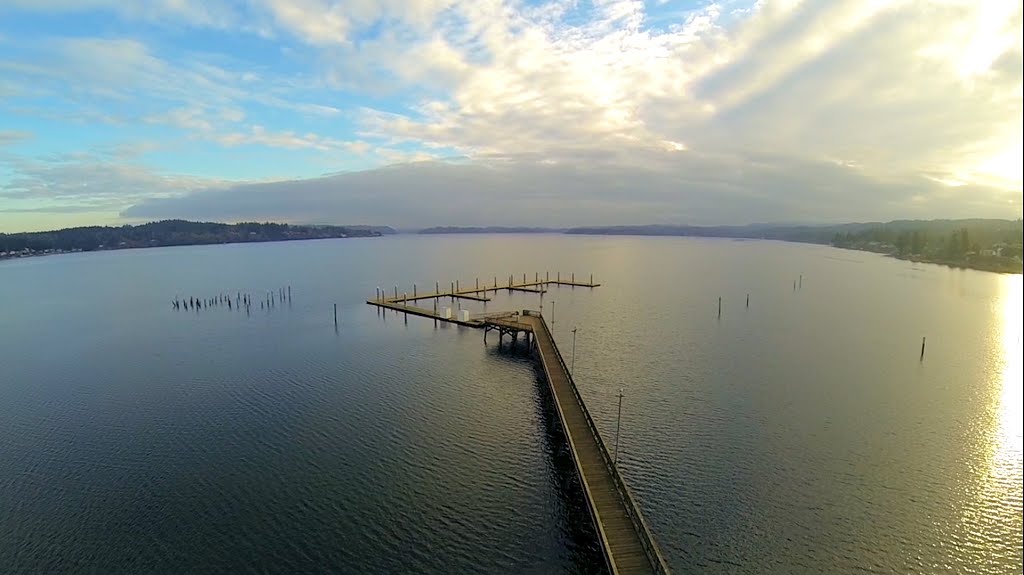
x,y
552,315
572,362
618,423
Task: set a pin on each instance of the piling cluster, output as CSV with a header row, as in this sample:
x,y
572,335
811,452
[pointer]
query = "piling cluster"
x,y
239,302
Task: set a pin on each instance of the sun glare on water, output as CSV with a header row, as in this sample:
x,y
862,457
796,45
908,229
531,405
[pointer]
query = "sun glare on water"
x,y
1008,444
1000,495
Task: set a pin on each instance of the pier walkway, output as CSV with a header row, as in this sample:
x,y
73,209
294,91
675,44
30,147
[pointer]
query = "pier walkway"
x,y
626,540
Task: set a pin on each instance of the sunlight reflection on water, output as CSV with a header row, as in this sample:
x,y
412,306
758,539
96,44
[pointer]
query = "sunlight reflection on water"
x,y
1008,440
999,497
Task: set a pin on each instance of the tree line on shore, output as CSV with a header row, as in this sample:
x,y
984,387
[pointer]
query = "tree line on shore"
x,y
950,239
169,233
983,244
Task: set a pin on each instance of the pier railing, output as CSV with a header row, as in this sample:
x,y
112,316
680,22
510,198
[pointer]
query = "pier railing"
x,y
635,516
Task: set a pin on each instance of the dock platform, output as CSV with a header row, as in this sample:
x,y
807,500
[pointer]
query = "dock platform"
x,y
479,292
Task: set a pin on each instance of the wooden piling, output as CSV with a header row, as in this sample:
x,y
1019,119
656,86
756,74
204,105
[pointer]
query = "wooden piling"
x,y
335,315
922,347
591,279
719,307
477,283
413,290
748,300
801,281
558,276
547,276
536,277
573,277
396,292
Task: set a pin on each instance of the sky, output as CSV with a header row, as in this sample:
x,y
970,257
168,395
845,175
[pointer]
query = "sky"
x,y
415,113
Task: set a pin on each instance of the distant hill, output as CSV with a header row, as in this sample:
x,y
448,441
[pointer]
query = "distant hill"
x,y
794,233
993,245
380,230
167,233
824,234
489,230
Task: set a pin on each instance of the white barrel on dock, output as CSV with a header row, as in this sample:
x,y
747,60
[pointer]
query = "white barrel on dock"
x,y
464,315
446,313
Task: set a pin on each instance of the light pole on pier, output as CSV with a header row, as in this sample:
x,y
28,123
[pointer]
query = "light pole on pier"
x,y
572,362
618,423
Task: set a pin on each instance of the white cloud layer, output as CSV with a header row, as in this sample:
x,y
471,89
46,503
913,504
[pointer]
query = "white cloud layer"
x,y
891,89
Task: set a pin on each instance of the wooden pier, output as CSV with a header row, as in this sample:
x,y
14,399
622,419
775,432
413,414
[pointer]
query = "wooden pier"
x,y
626,540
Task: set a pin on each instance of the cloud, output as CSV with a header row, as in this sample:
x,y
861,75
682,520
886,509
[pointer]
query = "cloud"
x,y
126,74
880,86
318,109
214,13
8,137
666,187
122,82
87,181
314,21
587,112
191,119
288,140
120,70
833,99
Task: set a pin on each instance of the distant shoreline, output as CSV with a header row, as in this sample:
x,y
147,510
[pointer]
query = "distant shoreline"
x,y
980,244
982,266
993,267
168,233
125,248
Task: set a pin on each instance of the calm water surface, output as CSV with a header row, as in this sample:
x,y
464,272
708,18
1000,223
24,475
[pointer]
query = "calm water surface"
x,y
799,435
